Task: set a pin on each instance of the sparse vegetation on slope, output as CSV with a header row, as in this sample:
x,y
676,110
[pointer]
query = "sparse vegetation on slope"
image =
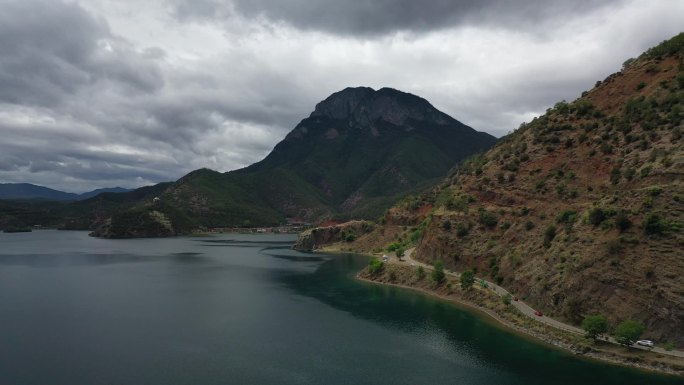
x,y
579,211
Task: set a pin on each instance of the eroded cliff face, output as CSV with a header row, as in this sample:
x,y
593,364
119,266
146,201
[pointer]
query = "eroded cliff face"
x,y
348,232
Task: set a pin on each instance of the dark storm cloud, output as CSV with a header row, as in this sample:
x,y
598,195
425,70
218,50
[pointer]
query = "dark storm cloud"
x,y
80,105
377,17
52,49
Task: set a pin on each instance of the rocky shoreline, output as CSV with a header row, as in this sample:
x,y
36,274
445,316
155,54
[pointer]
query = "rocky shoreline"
x,y
486,302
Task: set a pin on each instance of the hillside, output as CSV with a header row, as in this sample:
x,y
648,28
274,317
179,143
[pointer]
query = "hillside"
x,y
359,152
579,211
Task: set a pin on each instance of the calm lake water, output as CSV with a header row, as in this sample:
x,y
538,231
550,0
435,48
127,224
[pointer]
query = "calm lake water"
x,y
245,309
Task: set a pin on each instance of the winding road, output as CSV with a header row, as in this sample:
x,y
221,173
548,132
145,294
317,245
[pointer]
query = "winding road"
x,y
527,309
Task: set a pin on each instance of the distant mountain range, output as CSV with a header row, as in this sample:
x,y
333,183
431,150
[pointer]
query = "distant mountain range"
x,y
22,191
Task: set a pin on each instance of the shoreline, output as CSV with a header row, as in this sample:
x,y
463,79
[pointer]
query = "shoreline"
x,y
535,337
543,334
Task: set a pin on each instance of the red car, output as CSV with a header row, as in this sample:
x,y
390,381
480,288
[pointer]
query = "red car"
x,y
539,313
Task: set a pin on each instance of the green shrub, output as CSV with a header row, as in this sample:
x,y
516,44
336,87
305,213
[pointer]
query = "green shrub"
x,y
467,279
595,325
420,272
606,148
567,216
549,235
583,107
560,188
446,225
506,299
392,247
629,173
615,175
399,252
562,107
648,202
488,219
438,275
375,265
622,222
655,191
627,63
596,216
672,46
654,225
462,230
349,237
628,332
529,225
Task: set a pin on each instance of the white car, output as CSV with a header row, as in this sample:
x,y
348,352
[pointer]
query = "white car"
x,y
648,343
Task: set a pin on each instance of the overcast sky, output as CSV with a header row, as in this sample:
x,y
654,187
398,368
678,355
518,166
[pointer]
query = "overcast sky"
x,y
102,93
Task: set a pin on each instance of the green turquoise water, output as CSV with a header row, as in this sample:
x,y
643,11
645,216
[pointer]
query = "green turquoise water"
x,y
245,309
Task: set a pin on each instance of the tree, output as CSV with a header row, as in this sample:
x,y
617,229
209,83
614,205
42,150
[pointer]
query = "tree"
x,y
399,252
628,63
488,219
506,299
375,265
622,221
549,235
467,279
421,272
628,332
348,237
595,325
596,216
438,272
654,224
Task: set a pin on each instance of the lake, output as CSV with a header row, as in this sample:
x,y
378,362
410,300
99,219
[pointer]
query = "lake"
x,y
245,309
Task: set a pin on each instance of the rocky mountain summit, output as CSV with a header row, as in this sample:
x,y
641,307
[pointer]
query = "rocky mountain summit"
x,y
363,106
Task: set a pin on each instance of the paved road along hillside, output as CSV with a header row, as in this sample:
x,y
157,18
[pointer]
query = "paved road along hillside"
x,y
526,309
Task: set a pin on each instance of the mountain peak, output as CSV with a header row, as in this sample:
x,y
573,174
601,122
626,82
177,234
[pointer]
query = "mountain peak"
x,y
364,105
342,104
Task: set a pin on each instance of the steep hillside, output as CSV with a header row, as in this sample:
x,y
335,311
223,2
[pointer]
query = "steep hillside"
x,y
579,211
359,152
